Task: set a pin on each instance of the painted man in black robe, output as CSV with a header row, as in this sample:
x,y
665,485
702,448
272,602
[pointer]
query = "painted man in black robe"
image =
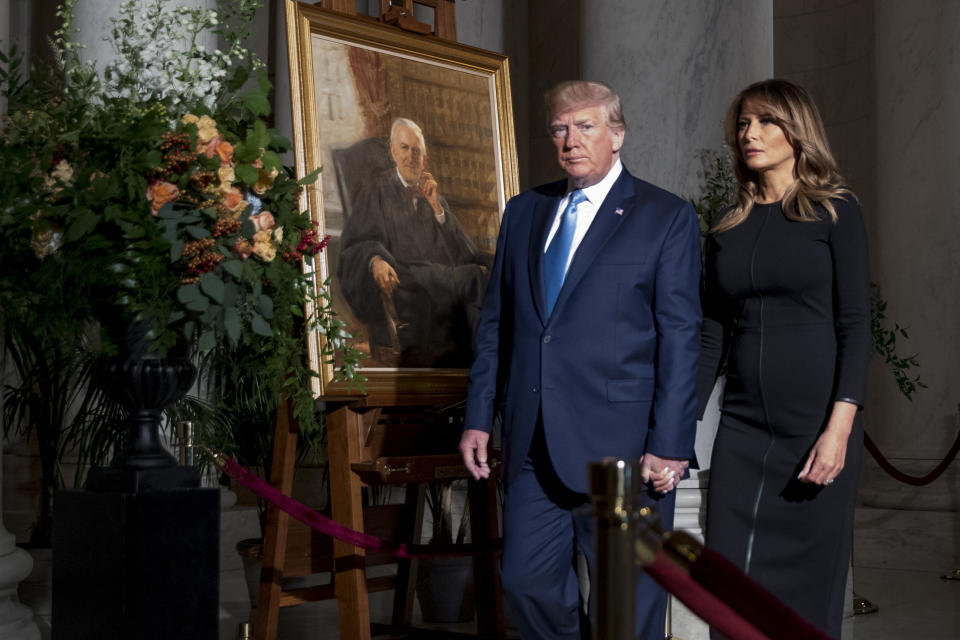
x,y
403,245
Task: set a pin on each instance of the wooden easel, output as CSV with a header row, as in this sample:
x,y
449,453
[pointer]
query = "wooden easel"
x,y
366,449
445,23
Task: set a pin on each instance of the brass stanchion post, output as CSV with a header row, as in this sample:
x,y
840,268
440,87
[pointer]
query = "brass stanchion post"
x,y
615,487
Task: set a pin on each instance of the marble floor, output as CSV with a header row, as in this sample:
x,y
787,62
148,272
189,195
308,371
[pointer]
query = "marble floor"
x,y
912,603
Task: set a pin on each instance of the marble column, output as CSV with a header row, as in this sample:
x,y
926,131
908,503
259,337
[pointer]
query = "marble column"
x,y
914,259
16,620
677,65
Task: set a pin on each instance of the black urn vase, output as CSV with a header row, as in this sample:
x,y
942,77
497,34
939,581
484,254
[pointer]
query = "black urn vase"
x,y
143,384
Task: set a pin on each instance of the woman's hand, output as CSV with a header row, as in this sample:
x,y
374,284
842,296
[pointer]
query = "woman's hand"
x,y
829,452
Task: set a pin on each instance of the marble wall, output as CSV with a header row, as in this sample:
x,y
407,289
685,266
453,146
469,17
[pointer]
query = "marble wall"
x,y
828,48
885,78
677,65
918,160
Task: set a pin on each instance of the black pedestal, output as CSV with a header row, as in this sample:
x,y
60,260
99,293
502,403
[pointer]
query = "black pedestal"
x,y
136,566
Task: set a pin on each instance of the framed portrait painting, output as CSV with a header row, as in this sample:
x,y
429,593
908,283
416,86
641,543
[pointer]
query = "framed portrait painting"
x,y
414,135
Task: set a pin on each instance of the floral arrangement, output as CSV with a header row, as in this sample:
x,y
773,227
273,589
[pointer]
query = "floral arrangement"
x,y
152,193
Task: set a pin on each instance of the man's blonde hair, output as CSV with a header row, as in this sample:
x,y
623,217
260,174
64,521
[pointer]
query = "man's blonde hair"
x,y
580,94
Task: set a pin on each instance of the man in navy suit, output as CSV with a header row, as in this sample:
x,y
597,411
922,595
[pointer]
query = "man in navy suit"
x,y
587,346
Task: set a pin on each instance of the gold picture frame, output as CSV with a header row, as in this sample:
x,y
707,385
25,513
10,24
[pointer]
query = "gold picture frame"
x,y
351,78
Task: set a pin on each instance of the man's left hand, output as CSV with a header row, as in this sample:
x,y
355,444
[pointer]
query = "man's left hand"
x,y
663,473
428,184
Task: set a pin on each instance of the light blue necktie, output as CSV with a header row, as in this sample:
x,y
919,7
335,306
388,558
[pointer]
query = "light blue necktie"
x,y
557,254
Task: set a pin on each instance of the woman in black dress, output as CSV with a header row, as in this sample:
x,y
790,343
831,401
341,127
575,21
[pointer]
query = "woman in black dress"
x,y
787,308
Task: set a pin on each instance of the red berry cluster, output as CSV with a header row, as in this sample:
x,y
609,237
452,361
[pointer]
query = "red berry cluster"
x,y
204,259
178,154
200,180
310,245
225,227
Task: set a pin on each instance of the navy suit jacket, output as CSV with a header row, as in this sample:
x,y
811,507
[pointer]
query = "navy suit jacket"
x,y
613,368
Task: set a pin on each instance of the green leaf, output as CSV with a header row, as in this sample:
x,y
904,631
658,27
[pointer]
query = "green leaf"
x,y
198,232
207,341
280,143
176,250
231,322
84,223
260,326
256,101
247,173
265,306
234,267
263,80
258,137
167,211
271,160
192,298
310,178
212,285
150,160
240,76
244,152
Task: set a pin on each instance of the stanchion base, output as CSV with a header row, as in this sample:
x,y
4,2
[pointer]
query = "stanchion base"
x,y
863,606
952,575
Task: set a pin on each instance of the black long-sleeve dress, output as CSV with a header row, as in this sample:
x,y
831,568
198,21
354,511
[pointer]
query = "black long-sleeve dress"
x,y
787,306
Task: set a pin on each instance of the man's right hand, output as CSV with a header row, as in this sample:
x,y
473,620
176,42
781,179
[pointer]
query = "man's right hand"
x,y
662,473
384,275
473,448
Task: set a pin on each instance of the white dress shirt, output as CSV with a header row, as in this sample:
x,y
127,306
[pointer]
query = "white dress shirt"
x,y
586,210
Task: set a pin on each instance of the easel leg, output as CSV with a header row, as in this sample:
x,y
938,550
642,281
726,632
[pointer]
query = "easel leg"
x,y
277,525
407,569
485,527
350,581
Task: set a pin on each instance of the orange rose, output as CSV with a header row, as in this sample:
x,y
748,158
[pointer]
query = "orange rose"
x,y
225,151
160,193
233,201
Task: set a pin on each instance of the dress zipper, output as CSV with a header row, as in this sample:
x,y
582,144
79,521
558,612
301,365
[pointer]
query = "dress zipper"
x,y
766,418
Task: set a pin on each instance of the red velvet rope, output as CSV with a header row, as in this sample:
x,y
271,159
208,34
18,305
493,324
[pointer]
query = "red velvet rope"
x,y
751,614
917,481
714,611
337,531
750,600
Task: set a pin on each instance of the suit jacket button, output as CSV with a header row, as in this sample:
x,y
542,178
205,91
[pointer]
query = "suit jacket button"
x,y
534,388
546,339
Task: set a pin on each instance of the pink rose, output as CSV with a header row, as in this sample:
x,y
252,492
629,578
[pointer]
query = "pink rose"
x,y
210,147
263,221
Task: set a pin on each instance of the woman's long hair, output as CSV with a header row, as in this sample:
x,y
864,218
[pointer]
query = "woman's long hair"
x,y
817,180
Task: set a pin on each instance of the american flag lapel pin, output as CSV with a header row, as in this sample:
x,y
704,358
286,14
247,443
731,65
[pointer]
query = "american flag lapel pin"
x,y
619,212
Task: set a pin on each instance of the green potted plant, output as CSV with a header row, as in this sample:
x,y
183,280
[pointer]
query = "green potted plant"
x,y
445,584
151,195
